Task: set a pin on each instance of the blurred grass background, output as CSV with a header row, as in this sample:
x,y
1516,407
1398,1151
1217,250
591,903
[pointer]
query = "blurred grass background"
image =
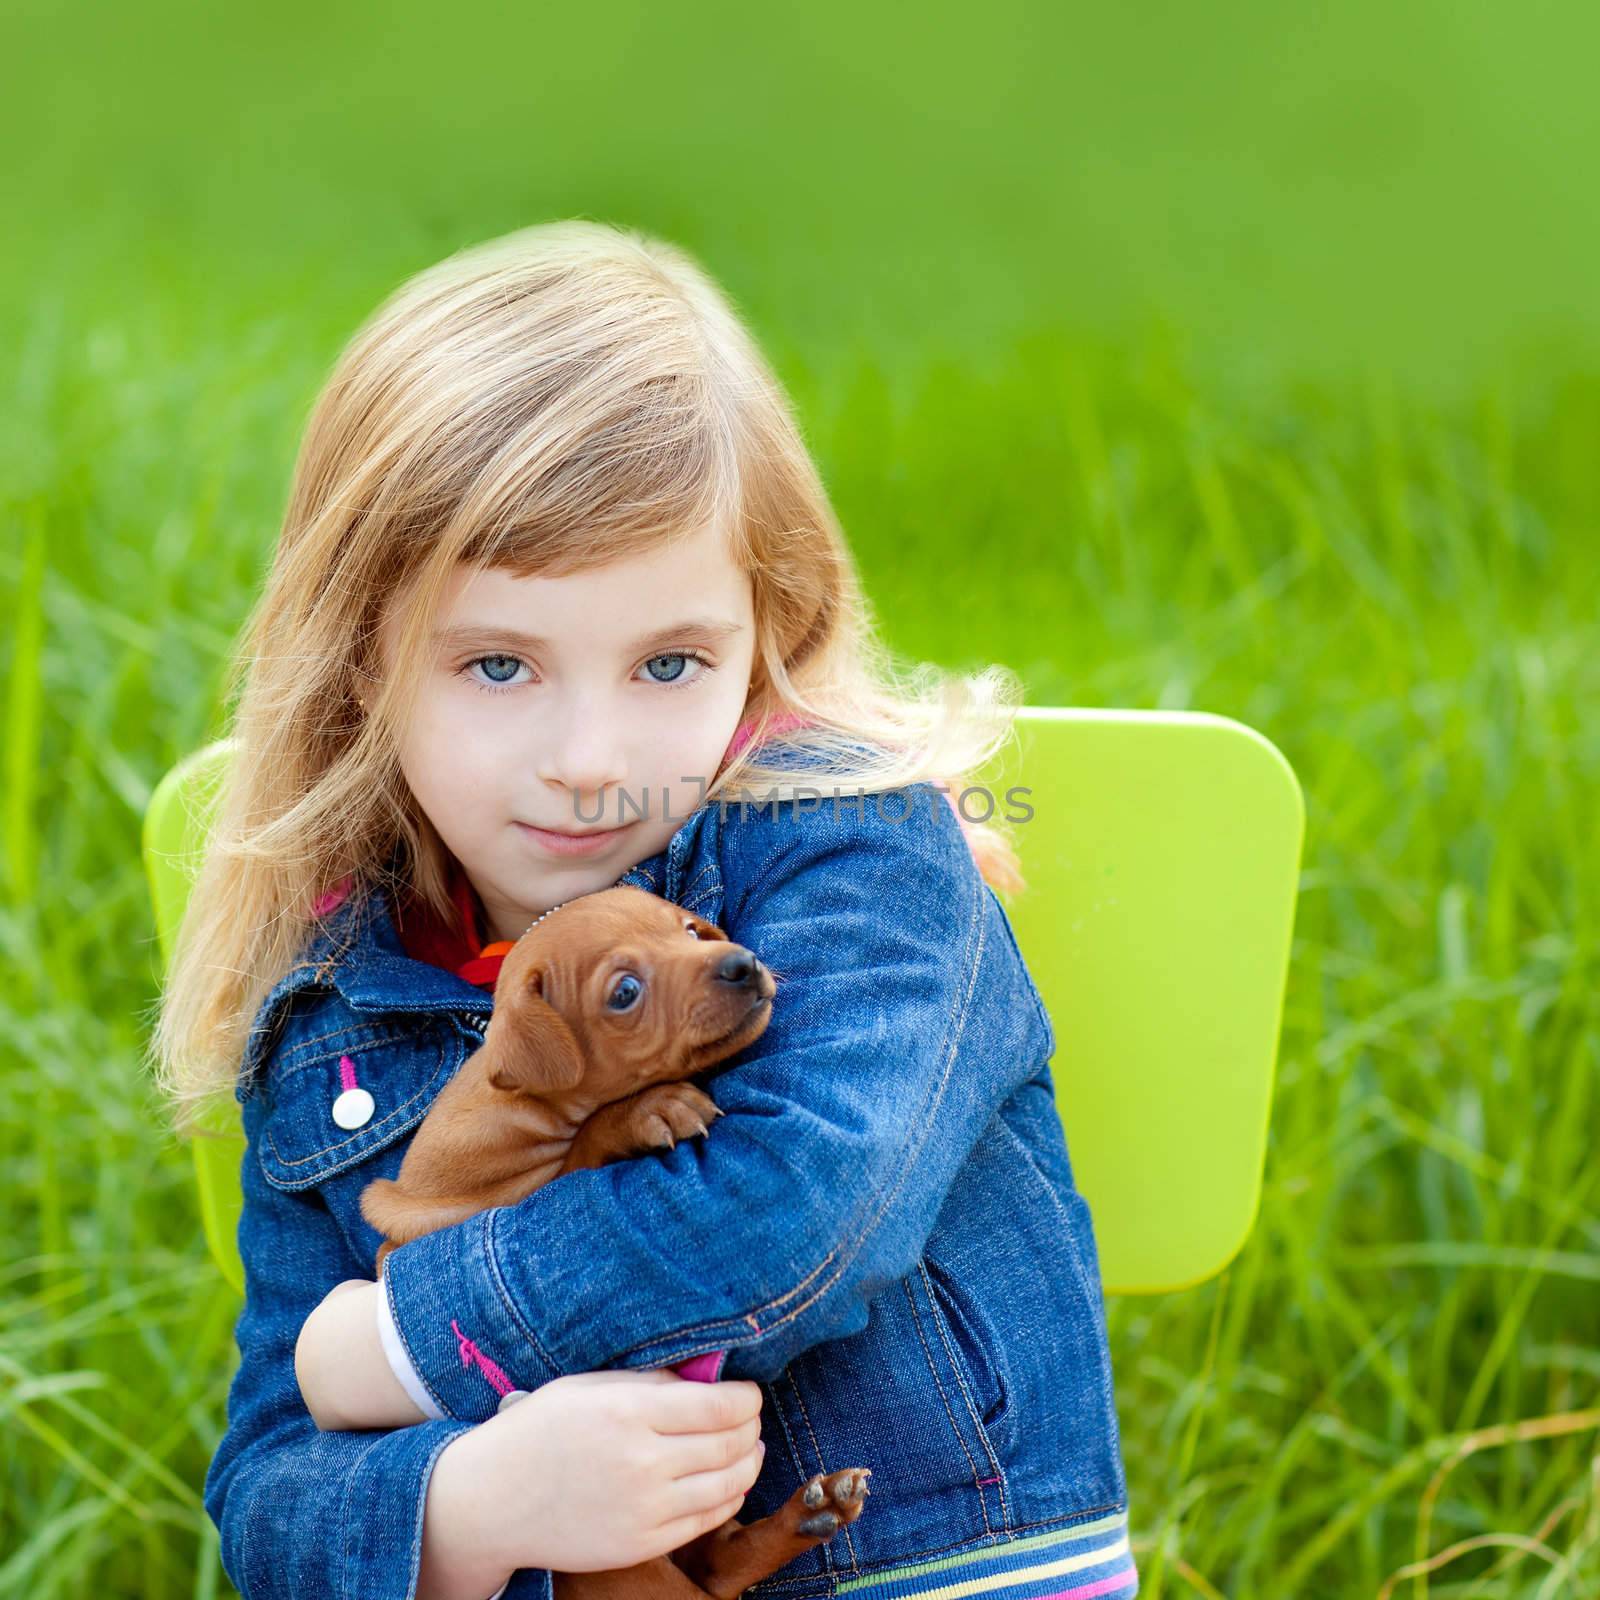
x,y
1240,358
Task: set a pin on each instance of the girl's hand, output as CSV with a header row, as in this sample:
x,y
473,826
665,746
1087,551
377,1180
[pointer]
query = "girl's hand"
x,y
590,1472
345,1378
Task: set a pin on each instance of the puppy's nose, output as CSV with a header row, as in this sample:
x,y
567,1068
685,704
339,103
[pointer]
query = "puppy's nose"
x,y
739,967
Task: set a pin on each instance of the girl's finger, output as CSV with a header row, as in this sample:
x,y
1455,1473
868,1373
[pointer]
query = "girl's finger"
x,y
686,1529
689,1407
689,1453
698,1491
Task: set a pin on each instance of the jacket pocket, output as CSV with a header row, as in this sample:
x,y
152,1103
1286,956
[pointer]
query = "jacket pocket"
x,y
342,1098
1059,1362
971,1342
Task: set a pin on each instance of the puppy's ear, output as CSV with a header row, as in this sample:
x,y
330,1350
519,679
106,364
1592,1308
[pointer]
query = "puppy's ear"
x,y
532,1051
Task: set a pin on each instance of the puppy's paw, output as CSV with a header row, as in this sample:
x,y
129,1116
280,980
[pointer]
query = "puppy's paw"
x,y
658,1117
822,1506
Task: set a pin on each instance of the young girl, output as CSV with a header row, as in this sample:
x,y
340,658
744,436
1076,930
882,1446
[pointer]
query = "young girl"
x,y
560,602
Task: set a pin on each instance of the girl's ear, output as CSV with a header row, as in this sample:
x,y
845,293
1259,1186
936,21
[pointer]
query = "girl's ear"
x,y
529,1049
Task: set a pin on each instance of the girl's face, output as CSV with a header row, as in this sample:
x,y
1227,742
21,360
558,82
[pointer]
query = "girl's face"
x,y
598,703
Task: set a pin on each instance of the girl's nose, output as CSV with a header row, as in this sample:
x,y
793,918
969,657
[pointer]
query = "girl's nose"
x,y
588,764
591,805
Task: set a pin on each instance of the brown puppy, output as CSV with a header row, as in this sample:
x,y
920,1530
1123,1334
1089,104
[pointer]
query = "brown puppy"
x,y
602,1010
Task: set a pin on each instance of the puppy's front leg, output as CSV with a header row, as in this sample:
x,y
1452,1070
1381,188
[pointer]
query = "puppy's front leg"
x,y
653,1119
728,1560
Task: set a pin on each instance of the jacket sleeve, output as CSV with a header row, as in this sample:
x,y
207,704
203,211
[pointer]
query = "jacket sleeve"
x,y
903,1019
302,1512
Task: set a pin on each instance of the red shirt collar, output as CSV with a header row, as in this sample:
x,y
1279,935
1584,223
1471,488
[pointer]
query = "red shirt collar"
x,y
456,944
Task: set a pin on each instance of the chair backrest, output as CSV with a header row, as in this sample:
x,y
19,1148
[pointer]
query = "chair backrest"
x,y
1162,859
1162,865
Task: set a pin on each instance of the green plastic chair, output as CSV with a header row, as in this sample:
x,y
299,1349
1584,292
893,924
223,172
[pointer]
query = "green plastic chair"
x,y
1162,859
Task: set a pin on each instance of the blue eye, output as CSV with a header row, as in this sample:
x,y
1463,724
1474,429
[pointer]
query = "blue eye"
x,y
624,993
507,664
676,678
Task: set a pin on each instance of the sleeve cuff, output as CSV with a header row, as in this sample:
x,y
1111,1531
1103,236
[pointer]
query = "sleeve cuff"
x,y
374,1549
455,1327
452,1337
405,1373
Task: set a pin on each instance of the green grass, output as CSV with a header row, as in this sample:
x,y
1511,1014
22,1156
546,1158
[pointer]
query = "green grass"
x,y
1076,416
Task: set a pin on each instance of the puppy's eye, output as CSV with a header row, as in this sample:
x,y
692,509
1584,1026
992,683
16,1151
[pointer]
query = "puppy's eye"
x,y
691,930
625,993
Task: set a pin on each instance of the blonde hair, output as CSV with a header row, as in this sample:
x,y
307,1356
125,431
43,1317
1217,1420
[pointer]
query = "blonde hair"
x,y
558,398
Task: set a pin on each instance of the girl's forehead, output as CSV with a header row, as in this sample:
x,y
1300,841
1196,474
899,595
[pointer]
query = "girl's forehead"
x,y
685,584
692,575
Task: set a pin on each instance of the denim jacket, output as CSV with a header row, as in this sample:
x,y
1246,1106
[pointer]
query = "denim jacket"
x,y
882,1229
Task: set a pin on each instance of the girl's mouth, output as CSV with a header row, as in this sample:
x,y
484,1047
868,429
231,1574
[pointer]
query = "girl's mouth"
x,y
592,843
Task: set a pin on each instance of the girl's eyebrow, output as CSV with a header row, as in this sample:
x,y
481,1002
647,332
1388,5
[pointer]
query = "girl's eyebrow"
x,y
469,633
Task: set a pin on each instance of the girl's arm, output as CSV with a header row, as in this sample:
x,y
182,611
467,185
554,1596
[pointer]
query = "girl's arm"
x,y
302,1512
347,1378
904,1019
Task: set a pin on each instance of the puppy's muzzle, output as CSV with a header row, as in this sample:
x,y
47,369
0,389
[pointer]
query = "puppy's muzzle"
x,y
743,971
